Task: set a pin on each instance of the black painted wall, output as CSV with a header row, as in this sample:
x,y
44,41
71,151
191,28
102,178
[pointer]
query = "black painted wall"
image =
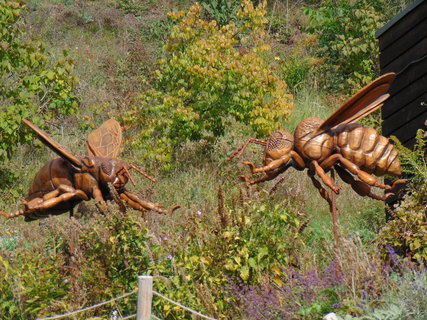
x,y
403,49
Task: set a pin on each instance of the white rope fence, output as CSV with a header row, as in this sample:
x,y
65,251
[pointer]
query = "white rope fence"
x,y
89,308
145,295
183,307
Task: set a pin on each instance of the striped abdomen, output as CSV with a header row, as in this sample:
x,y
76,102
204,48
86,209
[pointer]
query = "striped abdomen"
x,y
55,173
367,149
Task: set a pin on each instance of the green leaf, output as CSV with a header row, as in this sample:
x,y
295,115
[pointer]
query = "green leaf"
x,y
50,75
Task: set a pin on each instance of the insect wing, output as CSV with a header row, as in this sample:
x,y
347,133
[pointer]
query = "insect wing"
x,y
53,145
363,103
106,140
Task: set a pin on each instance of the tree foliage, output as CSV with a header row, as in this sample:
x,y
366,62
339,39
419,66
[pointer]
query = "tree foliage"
x,y
346,37
29,88
210,75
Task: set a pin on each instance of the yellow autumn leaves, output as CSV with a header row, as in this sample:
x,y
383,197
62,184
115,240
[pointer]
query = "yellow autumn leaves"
x,y
213,75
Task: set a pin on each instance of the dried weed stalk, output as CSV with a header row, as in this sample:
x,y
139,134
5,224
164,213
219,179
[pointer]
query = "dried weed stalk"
x,y
363,272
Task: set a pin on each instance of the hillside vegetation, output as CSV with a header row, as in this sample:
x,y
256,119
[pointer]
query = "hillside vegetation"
x,y
190,83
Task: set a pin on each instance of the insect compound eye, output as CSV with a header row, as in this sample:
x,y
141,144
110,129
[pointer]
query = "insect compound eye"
x,y
280,140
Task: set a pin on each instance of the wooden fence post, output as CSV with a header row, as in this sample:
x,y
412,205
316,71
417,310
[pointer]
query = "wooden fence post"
x,y
145,295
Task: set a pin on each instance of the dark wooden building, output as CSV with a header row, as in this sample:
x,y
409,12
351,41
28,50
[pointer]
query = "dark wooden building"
x,y
403,50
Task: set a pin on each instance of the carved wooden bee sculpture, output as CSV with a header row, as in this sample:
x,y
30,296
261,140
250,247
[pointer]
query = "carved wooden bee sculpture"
x,y
338,142
66,181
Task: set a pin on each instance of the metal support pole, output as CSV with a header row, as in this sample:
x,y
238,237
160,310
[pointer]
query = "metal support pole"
x,y
145,296
334,214
335,224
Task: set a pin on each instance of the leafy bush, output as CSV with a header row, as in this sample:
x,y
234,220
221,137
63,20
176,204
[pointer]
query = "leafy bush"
x,y
406,233
297,69
414,162
222,11
28,87
31,280
346,37
246,242
210,75
74,264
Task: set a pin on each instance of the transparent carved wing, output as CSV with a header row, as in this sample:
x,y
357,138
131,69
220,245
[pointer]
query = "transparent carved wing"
x,y
106,140
363,103
53,145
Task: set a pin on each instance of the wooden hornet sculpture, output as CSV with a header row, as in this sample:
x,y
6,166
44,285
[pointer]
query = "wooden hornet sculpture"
x,y
337,142
66,181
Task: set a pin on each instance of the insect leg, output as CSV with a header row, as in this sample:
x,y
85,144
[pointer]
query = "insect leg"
x,y
141,205
62,188
116,197
271,166
12,215
239,151
322,191
64,194
278,163
354,169
314,166
360,187
268,176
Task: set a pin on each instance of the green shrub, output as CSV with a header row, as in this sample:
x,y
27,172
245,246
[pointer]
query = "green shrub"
x,y
69,264
210,75
28,87
31,282
406,233
297,69
222,11
346,37
414,162
247,242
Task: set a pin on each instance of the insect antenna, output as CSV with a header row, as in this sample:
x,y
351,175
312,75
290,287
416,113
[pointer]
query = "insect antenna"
x,y
128,174
141,172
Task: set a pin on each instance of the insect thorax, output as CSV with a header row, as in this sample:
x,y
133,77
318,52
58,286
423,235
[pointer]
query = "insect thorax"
x,y
312,147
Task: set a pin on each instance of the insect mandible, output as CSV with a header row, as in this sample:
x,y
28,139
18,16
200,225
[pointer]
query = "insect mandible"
x,y
66,181
338,142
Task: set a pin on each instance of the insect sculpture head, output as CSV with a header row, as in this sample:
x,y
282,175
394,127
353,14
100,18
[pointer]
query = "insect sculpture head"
x,y
64,182
279,145
107,170
338,143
